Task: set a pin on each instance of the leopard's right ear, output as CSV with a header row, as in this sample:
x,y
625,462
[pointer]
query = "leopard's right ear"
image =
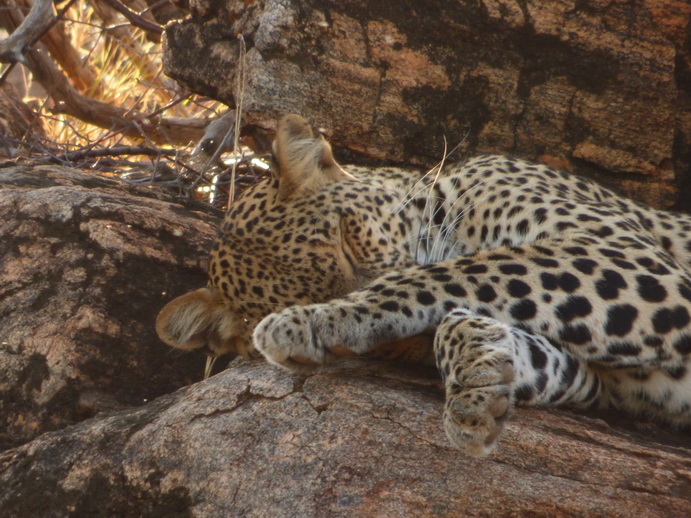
x,y
305,162
202,319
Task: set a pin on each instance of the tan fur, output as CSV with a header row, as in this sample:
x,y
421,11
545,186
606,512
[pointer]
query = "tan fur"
x,y
200,319
305,163
205,319
526,277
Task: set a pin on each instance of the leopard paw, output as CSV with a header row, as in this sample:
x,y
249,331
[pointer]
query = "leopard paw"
x,y
289,339
474,416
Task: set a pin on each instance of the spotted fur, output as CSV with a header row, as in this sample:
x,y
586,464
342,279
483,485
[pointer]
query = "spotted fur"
x,y
543,288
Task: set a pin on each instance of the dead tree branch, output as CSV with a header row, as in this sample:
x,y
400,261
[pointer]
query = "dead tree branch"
x,y
104,115
136,19
57,65
123,37
81,154
36,23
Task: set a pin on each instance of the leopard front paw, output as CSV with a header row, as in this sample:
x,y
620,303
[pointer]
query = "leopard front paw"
x,y
296,338
474,416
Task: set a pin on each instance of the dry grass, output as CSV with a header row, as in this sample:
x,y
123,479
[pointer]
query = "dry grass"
x,y
126,68
121,65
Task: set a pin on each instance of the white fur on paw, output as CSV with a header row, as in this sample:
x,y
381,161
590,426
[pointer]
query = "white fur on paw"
x,y
286,339
474,427
474,415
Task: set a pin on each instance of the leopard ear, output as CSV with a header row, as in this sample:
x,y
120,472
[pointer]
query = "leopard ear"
x,y
202,319
305,162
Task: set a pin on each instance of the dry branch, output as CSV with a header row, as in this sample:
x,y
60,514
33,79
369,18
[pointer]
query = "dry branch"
x,y
38,20
81,154
56,64
104,115
123,37
136,19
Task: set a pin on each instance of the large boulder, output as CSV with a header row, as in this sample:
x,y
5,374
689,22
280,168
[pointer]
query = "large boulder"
x,y
598,87
357,439
86,262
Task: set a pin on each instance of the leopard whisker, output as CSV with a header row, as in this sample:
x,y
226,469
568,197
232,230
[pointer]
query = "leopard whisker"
x,y
447,228
436,169
210,360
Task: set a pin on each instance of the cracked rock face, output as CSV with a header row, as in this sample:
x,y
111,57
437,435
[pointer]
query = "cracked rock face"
x,y
85,264
357,439
598,87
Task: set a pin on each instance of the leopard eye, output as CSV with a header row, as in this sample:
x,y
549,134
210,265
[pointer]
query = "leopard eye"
x,y
208,145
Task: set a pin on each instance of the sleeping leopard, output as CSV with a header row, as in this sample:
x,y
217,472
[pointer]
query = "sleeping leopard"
x,y
523,284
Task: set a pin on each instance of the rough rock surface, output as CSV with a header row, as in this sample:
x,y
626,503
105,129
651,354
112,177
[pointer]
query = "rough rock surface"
x,y
602,87
85,264
358,439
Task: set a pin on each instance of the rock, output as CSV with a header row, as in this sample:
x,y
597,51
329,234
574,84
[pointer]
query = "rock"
x,y
356,439
86,262
598,87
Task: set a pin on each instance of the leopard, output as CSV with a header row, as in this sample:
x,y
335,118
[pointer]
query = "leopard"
x,y
525,285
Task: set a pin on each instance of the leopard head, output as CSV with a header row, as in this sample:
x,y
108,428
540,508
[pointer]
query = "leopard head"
x,y
310,233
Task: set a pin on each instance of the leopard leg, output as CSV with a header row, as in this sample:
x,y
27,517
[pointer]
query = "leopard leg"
x,y
300,337
487,366
660,394
475,356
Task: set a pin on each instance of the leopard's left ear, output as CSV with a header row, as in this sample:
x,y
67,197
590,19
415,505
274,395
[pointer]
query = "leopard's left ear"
x,y
305,162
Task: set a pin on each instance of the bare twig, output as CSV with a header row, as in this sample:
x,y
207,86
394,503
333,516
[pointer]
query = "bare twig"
x,y
104,115
135,19
121,121
123,37
60,46
36,23
65,157
75,156
239,97
168,121
14,21
155,6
